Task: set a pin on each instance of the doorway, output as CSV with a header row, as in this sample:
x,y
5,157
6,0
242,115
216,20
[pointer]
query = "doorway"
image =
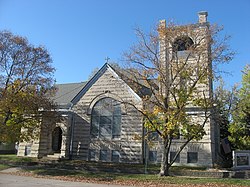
x,y
57,140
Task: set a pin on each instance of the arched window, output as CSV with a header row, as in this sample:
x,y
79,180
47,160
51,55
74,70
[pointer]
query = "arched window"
x,y
182,44
106,119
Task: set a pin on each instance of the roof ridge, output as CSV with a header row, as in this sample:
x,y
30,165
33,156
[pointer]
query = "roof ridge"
x,y
72,83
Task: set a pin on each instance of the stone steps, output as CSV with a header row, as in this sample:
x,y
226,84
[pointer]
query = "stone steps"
x,y
55,156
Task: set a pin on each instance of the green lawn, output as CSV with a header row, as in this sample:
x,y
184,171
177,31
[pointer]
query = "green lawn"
x,y
134,178
15,158
3,166
72,174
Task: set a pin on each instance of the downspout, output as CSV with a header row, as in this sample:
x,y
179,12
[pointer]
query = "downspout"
x,y
71,134
143,145
145,153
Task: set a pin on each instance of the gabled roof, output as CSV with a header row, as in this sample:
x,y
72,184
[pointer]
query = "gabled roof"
x,y
65,93
96,77
69,94
133,81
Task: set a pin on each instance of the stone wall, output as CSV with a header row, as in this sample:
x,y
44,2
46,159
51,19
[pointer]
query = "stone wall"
x,y
42,146
130,147
199,60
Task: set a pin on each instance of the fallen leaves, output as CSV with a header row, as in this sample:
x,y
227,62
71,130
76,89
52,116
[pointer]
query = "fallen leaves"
x,y
112,181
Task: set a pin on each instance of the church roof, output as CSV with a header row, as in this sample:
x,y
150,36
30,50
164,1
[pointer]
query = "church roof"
x,y
69,94
65,93
137,85
101,71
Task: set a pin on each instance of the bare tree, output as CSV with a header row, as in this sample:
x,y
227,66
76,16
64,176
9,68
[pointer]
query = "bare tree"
x,y
175,64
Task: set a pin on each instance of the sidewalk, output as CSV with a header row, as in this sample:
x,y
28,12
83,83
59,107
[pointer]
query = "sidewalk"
x,y
7,180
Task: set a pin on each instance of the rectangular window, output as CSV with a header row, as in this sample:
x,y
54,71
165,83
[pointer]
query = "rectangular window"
x,y
105,130
152,156
115,157
103,155
172,155
94,127
116,127
105,126
92,154
105,119
192,157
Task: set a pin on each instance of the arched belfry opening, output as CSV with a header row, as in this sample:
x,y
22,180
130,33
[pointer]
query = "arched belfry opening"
x,y
183,43
182,47
57,140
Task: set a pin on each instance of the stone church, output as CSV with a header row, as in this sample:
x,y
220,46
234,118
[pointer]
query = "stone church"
x,y
96,127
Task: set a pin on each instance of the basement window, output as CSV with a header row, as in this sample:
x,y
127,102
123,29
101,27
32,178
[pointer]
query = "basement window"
x,y
92,154
115,157
192,157
103,155
172,155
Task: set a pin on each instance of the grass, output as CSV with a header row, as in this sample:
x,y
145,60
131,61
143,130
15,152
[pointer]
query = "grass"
x,y
58,170
15,158
3,166
152,167
134,178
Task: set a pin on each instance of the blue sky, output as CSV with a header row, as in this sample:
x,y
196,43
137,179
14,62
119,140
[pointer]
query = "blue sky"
x,y
80,34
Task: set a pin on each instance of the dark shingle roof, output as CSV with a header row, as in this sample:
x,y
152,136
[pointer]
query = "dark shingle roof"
x,y
133,81
68,94
65,93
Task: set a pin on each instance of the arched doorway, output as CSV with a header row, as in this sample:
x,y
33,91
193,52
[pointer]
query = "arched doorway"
x,y
57,140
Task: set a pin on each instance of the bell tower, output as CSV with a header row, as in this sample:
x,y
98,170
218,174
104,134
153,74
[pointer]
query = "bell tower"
x,y
188,46
185,57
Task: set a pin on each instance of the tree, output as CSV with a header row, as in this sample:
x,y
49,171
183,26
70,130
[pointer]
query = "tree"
x,y
225,100
239,128
26,79
178,72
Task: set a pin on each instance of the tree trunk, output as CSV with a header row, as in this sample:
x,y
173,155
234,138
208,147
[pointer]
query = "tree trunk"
x,y
164,171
